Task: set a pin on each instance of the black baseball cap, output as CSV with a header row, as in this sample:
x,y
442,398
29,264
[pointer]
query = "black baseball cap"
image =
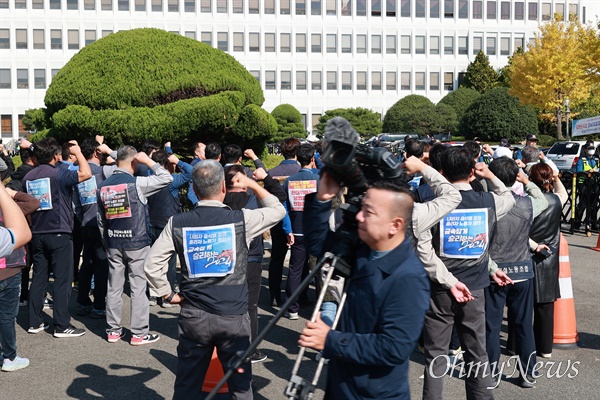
x,y
532,137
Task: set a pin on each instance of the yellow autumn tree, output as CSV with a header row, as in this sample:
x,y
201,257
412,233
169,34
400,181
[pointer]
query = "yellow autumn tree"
x,y
556,66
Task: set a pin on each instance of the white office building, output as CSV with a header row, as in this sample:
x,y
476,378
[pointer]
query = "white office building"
x,y
314,54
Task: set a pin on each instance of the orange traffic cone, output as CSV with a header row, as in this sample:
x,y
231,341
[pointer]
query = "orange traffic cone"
x,y
565,326
597,248
214,375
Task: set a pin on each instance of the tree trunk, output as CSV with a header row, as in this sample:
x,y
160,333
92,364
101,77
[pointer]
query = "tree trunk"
x,y
559,134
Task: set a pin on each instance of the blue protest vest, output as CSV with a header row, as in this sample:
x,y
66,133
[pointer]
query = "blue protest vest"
x,y
124,217
212,250
162,206
87,198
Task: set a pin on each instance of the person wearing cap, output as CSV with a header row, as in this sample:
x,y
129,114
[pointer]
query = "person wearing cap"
x,y
586,164
531,140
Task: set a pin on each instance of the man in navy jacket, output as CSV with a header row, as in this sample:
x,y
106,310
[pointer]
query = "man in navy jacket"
x,y
388,295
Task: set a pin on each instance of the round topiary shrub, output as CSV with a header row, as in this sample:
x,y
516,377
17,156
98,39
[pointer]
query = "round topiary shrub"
x,y
149,83
460,100
397,117
289,123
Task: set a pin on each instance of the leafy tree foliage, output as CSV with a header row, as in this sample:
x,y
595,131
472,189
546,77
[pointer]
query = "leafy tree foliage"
x,y
35,119
397,117
480,75
366,122
148,83
289,123
460,100
497,114
561,63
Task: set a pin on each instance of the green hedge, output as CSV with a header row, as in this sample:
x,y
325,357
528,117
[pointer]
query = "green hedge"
x,y
396,118
289,123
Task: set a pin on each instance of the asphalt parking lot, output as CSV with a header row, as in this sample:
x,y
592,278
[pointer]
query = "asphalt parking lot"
x,y
91,368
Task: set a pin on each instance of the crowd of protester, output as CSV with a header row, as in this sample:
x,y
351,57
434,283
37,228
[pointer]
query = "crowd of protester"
x,y
441,254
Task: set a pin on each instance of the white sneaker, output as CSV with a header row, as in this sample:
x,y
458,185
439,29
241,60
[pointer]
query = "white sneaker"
x,y
16,364
291,315
38,329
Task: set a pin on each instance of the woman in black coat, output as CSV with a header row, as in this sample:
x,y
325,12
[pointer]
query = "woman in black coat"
x,y
545,232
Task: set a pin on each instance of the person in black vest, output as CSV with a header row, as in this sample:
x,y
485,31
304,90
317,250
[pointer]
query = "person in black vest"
x,y
14,234
510,250
239,198
94,259
52,227
165,204
212,244
545,235
461,243
125,229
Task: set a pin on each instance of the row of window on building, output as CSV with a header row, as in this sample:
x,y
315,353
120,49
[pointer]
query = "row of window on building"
x,y
22,78
389,8
6,126
319,43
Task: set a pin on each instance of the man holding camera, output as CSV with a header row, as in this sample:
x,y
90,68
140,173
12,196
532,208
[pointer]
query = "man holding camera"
x,y
388,295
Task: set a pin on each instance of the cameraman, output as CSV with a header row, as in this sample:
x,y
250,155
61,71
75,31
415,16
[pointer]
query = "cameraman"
x,y
387,299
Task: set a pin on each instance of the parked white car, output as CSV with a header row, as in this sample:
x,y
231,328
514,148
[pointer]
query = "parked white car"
x,y
566,154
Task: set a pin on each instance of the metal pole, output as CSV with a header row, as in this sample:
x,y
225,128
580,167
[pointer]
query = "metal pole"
x,y
568,124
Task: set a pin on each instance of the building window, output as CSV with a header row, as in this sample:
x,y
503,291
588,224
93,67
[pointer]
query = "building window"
x,y
19,4
5,78
284,43
419,44
491,10
205,6
5,39
420,8
139,5
256,75
361,80
238,41
390,44
253,6
300,7
434,81
361,8
286,80
71,4
448,8
330,7
73,39
505,10
189,6
300,80
270,81
87,4
6,125
390,8
463,46
519,11
222,6
315,80
505,46
90,37
284,7
361,44
315,43
22,78
533,11
434,8
173,5
390,80
206,37
21,38
39,41
22,130
222,41
573,9
375,80
448,45
477,44
315,7
56,39
519,42
405,44
490,46
37,4
463,9
477,10
346,80
269,42
346,7
346,43
269,6
123,5
559,9
300,42
376,44
331,43
448,80
419,80
331,80
55,4
404,8
237,7
106,32
39,78
376,8
546,11
105,5
405,81
192,35
254,42
434,45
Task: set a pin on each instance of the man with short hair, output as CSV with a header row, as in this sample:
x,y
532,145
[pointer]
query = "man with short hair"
x,y
199,155
213,151
531,156
212,244
52,226
123,222
530,141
